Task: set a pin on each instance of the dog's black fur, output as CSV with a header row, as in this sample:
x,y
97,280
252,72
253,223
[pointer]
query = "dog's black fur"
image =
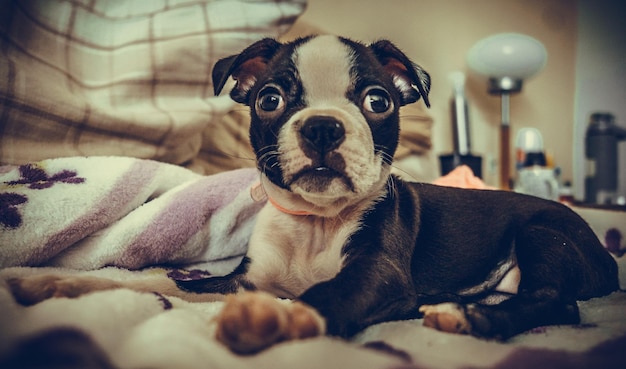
x,y
423,244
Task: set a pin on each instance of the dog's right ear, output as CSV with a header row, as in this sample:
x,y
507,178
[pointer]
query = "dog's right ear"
x,y
410,79
245,68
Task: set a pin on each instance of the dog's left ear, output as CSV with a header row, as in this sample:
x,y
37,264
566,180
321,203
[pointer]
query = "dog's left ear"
x,y
245,68
407,76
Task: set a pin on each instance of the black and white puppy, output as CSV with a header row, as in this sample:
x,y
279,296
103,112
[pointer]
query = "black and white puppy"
x,y
355,245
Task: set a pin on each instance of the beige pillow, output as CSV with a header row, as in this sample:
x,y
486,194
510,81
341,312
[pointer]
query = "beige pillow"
x,y
120,77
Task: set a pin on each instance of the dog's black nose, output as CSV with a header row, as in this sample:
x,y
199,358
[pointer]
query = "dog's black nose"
x,y
323,134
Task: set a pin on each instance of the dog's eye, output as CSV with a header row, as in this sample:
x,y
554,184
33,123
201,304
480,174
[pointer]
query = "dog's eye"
x,y
376,101
270,99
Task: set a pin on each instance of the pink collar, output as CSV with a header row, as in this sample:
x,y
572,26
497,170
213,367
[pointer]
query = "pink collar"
x,y
287,211
258,194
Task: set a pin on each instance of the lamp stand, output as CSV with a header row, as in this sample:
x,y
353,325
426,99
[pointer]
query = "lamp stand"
x,y
505,86
505,142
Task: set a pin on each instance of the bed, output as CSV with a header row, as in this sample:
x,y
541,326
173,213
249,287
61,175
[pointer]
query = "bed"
x,y
119,163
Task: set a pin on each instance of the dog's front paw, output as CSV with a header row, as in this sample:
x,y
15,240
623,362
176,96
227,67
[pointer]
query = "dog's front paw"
x,y
34,289
447,317
253,321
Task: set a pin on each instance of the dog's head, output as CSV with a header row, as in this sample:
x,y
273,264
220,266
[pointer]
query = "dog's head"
x,y
324,112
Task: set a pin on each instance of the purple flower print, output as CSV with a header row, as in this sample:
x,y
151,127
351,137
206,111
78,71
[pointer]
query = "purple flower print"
x,y
9,214
37,178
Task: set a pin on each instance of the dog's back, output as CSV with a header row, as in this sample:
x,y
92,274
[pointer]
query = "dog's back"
x,y
485,227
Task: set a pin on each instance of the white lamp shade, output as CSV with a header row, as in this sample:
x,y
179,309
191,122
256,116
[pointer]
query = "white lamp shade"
x,y
507,55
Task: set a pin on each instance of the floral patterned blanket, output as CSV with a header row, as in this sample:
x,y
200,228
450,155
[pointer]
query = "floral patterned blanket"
x,y
87,213
145,224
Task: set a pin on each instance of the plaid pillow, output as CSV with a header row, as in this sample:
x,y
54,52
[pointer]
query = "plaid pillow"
x,y
120,77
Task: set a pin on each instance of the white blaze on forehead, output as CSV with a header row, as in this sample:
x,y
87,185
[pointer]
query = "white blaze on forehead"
x,y
324,67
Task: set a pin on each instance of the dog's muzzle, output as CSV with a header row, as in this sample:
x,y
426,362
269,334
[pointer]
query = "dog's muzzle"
x,y
320,140
328,154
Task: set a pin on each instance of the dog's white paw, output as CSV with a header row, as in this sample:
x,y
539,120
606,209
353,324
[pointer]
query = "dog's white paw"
x,y
253,321
447,317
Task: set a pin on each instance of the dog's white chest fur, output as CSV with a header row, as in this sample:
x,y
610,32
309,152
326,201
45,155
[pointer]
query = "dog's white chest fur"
x,y
289,253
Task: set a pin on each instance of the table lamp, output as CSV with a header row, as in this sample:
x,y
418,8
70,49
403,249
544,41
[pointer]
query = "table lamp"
x,y
507,59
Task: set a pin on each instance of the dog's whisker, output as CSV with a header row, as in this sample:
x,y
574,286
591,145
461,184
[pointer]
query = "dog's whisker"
x,y
404,172
269,150
268,155
391,187
388,158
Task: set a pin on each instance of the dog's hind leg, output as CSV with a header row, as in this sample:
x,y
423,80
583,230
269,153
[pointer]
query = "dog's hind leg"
x,y
513,316
556,271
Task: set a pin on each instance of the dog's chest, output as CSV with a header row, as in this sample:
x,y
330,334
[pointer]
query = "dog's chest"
x,y
289,254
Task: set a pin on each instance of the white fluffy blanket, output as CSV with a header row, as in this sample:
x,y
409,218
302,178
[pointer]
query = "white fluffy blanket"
x,y
87,213
146,224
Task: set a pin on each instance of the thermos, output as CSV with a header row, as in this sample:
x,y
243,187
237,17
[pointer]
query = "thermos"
x,y
533,175
601,154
